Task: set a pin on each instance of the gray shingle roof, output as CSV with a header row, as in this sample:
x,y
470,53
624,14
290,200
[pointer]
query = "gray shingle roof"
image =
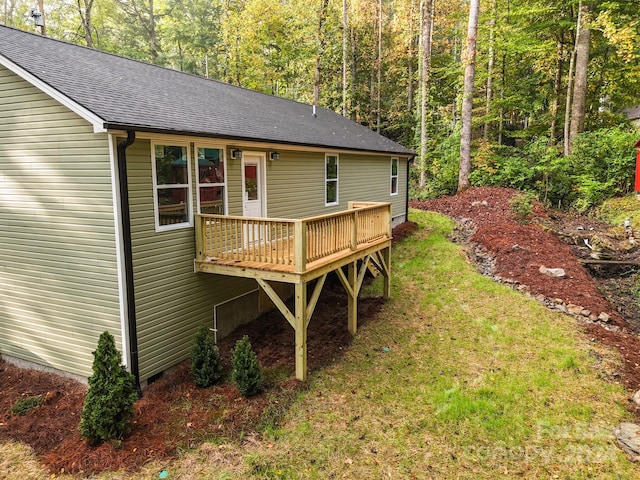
x,y
125,93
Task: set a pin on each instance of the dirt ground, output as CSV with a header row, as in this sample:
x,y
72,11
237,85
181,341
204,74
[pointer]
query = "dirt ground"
x,y
174,414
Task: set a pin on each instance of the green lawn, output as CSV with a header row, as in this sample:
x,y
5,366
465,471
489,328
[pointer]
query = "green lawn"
x,y
457,377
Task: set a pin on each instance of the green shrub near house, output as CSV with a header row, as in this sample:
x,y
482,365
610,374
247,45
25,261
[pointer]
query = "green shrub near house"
x,y
205,359
108,406
246,373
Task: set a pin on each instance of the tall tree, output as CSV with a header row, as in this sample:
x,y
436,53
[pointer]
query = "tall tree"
x,y
579,102
345,52
467,96
85,11
322,18
425,43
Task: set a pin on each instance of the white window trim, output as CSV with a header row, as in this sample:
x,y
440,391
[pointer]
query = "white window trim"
x,y
336,180
226,174
175,226
392,176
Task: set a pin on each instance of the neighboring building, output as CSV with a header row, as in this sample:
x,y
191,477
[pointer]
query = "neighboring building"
x,y
105,164
633,114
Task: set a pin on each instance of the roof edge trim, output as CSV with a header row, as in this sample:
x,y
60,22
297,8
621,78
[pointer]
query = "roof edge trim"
x,y
274,143
97,122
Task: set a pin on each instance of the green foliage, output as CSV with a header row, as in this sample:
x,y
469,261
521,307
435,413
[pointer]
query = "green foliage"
x,y
246,373
521,207
108,406
205,359
603,164
25,405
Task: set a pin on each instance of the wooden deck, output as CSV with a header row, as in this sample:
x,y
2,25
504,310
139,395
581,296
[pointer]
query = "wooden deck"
x,y
298,251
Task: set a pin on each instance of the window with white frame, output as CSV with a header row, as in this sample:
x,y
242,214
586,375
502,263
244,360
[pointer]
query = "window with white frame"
x,y
394,176
331,180
212,180
171,185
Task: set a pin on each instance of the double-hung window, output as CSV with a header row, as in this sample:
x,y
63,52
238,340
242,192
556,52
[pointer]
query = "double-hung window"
x,y
171,186
394,176
212,180
331,180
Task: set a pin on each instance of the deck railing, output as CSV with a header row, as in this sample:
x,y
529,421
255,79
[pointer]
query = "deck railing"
x,y
291,242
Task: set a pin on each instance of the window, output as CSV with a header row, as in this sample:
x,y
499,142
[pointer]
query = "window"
x,y
331,180
394,176
212,180
171,186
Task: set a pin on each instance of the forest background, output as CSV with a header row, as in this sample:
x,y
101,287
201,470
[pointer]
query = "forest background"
x,y
553,79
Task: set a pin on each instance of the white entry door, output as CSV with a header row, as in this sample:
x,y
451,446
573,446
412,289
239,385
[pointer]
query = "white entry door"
x,y
253,185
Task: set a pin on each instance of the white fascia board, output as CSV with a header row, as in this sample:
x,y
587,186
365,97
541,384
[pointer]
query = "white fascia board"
x,y
92,118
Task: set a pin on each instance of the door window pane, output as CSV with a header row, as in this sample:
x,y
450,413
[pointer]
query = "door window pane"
x,y
251,181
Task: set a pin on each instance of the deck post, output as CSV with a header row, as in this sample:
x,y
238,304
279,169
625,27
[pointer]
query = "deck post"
x,y
352,305
300,246
386,258
200,238
301,330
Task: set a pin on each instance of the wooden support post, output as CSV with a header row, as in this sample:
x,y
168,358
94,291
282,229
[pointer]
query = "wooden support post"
x,y
353,298
301,330
300,246
386,259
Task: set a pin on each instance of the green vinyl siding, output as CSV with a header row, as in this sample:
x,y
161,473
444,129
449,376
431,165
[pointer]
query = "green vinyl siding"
x,y
171,300
296,188
58,276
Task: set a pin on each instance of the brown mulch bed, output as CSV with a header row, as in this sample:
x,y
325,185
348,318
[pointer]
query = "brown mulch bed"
x,y
174,414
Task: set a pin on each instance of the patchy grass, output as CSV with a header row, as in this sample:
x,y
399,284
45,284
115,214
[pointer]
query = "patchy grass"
x,y
457,377
617,210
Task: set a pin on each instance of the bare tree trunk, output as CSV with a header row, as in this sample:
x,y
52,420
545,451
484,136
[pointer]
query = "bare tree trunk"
x,y
557,85
501,113
379,66
321,44
345,44
467,96
43,28
580,82
84,9
425,42
567,105
490,62
153,48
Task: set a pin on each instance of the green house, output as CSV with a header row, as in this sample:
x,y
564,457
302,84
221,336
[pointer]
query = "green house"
x,y
148,202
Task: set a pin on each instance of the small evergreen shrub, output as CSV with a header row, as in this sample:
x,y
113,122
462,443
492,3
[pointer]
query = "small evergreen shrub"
x,y
521,207
25,405
205,360
246,373
108,406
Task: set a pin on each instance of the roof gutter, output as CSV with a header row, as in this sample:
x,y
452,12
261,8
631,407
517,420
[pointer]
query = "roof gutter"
x,y
125,216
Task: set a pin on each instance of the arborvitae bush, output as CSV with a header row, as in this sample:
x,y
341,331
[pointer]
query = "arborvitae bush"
x,y
246,373
108,406
205,359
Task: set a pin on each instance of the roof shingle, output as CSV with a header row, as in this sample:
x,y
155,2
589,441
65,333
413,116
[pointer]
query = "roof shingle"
x,y
126,93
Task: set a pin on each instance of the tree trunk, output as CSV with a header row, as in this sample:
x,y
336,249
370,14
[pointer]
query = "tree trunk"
x,y
345,44
84,9
153,47
467,96
580,82
567,106
557,85
490,62
379,66
425,42
321,44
